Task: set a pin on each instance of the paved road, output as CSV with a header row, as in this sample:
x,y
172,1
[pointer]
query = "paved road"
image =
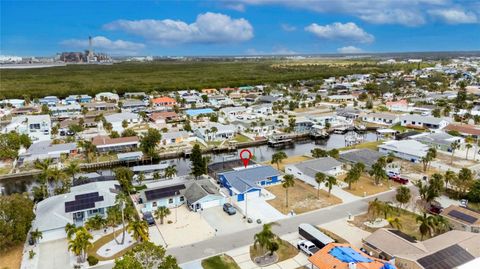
x,y
223,243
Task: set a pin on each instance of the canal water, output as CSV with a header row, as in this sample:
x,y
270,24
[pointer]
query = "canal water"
x,y
260,153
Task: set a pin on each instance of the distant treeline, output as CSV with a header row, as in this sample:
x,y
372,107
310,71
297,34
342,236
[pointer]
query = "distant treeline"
x,y
167,76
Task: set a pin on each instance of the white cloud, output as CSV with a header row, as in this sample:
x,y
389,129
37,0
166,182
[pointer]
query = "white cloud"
x,y
340,31
103,43
349,49
403,12
287,27
236,6
208,28
454,16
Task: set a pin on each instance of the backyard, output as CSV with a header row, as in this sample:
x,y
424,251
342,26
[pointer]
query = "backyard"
x,y
367,145
366,187
289,160
301,198
220,262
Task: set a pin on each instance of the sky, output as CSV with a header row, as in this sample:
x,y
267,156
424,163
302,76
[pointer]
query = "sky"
x,y
238,27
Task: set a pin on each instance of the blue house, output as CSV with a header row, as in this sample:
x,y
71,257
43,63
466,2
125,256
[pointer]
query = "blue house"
x,y
49,101
249,181
196,112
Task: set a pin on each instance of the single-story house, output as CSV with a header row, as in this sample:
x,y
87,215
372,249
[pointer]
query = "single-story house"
x,y
203,194
440,141
381,118
132,104
423,122
307,170
37,127
164,101
104,96
401,105
117,120
174,137
76,207
164,117
447,250
366,156
215,131
46,150
100,106
66,111
121,144
50,101
410,150
463,219
345,256
464,129
249,181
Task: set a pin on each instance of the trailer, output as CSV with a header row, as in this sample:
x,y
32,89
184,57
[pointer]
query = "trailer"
x,y
311,233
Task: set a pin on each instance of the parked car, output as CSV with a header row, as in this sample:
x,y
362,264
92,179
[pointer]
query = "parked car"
x,y
399,179
464,203
307,247
435,208
229,209
147,216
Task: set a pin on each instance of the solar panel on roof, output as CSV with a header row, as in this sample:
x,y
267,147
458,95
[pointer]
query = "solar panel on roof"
x,y
86,195
462,216
83,201
163,192
446,258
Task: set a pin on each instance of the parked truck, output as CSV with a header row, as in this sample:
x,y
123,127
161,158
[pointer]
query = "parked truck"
x,y
314,235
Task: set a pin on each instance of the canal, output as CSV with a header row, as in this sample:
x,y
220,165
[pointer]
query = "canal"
x,y
261,154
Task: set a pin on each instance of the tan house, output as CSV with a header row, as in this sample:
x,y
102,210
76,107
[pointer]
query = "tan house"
x,y
462,218
447,250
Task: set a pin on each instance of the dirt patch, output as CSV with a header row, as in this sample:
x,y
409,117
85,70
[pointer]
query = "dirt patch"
x,y
12,259
365,186
289,160
301,198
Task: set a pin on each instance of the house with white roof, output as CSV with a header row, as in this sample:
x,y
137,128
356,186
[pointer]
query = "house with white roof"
x,y
307,170
37,127
76,207
117,120
107,96
423,122
381,118
401,105
440,141
216,131
410,150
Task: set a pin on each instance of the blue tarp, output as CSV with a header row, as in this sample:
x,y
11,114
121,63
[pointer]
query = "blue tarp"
x,y
348,254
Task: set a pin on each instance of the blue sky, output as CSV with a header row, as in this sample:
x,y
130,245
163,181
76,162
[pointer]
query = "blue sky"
x,y
238,27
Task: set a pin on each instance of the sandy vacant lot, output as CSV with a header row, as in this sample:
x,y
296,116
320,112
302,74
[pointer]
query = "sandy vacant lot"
x,y
301,198
365,186
289,160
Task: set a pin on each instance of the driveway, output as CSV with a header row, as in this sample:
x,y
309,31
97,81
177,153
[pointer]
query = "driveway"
x,y
54,254
347,231
259,209
223,223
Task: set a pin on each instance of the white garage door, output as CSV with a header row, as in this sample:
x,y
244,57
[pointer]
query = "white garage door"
x,y
53,235
212,203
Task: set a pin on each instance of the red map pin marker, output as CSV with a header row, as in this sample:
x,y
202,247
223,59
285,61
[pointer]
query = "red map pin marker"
x,y
244,159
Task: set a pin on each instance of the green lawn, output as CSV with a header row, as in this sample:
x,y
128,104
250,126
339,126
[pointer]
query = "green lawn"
x,y
400,128
241,138
367,145
220,262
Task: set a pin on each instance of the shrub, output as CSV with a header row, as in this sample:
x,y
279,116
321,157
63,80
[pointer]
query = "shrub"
x,y
92,260
31,254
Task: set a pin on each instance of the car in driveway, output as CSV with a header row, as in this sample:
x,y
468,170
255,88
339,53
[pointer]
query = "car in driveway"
x,y
307,247
399,179
229,209
147,216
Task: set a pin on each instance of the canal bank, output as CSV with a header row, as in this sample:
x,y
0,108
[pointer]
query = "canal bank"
x,y
260,151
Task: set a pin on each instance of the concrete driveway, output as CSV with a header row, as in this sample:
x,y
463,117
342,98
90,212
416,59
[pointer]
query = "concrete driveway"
x,y
223,223
347,231
260,209
54,254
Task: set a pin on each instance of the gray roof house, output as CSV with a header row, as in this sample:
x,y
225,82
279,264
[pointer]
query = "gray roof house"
x,y
307,170
366,156
441,141
77,206
46,150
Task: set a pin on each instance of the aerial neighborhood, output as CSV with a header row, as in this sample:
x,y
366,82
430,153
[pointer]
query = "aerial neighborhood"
x,y
376,170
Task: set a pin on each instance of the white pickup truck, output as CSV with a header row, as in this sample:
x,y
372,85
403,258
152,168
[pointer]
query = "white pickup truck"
x,y
308,247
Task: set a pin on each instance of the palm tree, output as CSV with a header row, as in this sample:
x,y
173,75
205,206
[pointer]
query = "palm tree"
x,y
287,183
72,169
113,218
354,174
265,238
81,243
70,230
395,223
161,213
453,147
88,148
35,235
441,224
96,222
214,130
278,157
319,178
45,173
374,208
121,201
449,177
170,171
330,182
138,229
378,172
141,178
468,146
426,224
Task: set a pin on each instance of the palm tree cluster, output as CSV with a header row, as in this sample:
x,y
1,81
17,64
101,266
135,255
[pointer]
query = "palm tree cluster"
x,y
266,239
288,182
428,158
431,225
354,174
329,182
378,172
51,175
79,241
432,189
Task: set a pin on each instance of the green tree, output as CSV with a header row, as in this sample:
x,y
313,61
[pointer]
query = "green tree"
x,y
318,153
161,213
35,235
149,142
88,148
198,162
449,177
463,181
354,174
70,230
146,255
124,124
16,216
403,195
395,223
468,146
428,158
72,169
453,147
139,230
129,133
265,238
288,182
95,223
377,171
426,224
80,243
319,178
334,153
374,208
124,175
114,217
329,183
170,171
278,157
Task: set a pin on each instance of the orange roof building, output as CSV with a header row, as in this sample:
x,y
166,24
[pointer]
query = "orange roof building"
x,y
164,101
345,256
